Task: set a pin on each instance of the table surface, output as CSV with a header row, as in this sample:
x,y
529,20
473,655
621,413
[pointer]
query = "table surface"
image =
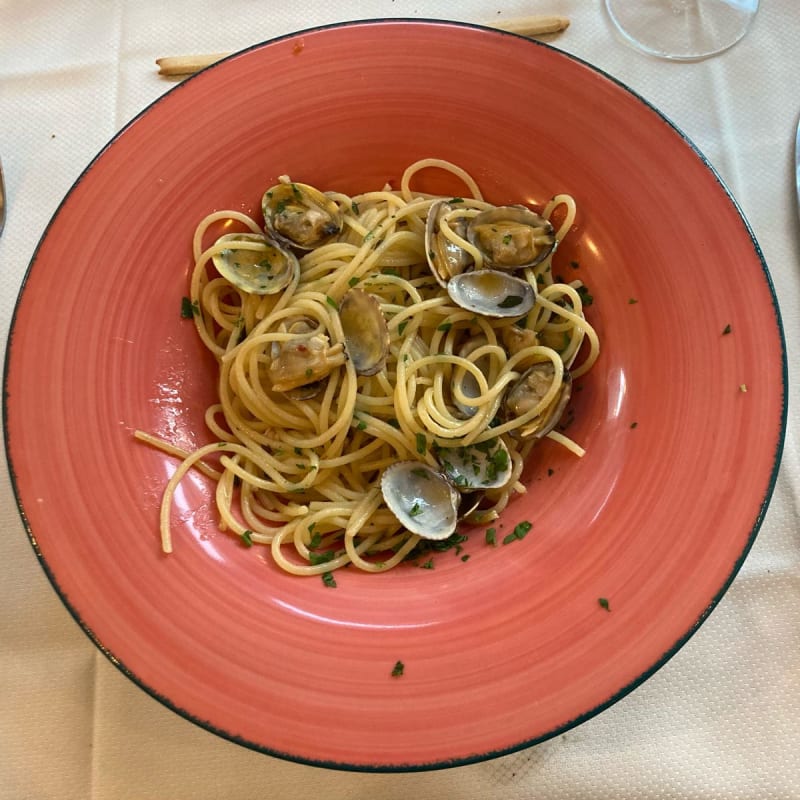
x,y
721,719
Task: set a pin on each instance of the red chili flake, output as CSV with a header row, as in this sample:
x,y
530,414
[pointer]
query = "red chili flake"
x,y
301,348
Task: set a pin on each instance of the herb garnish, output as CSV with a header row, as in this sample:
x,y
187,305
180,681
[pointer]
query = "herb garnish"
x,y
329,580
398,669
247,538
520,532
491,537
603,603
331,302
726,330
188,308
422,443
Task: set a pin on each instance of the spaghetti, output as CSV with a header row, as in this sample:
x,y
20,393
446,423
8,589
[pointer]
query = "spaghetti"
x,y
299,469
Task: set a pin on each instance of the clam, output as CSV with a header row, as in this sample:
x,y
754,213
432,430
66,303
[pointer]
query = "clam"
x,y
464,380
491,293
257,265
529,391
300,215
511,237
446,257
304,361
366,334
423,499
486,465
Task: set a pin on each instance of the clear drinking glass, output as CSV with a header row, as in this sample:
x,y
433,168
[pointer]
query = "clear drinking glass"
x,y
684,30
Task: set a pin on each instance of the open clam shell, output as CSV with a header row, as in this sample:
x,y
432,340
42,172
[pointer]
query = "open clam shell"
x,y
366,333
511,237
491,293
486,465
255,264
445,256
530,391
464,381
300,215
423,499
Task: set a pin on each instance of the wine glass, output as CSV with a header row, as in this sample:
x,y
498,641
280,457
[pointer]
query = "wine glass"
x,y
683,30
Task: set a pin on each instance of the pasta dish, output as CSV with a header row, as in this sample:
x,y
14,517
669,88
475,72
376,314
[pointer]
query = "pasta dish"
x,y
387,363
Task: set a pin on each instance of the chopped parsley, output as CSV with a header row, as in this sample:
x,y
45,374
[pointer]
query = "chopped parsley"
x,y
354,206
603,603
520,532
422,443
510,301
331,302
329,580
401,327
361,426
445,326
586,298
634,425
353,281
453,200
398,669
726,330
247,539
491,537
419,472
415,510
189,309
632,301
427,565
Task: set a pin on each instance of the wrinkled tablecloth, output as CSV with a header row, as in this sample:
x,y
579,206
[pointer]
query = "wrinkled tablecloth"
x,y
720,720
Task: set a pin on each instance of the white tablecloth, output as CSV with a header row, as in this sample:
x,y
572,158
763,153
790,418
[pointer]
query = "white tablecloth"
x,y
720,720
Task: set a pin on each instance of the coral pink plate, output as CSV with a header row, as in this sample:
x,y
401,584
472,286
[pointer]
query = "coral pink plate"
x,y
508,647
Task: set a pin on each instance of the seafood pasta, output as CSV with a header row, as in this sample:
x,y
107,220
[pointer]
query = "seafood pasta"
x,y
387,362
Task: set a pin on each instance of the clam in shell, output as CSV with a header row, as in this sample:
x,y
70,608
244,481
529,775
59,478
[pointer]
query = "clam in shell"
x,y
511,237
423,499
491,293
366,333
530,391
486,465
300,215
255,264
445,256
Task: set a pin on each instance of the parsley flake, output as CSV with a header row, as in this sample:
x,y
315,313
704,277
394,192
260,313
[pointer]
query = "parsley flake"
x,y
247,538
726,330
398,669
189,309
329,580
331,302
603,603
422,443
